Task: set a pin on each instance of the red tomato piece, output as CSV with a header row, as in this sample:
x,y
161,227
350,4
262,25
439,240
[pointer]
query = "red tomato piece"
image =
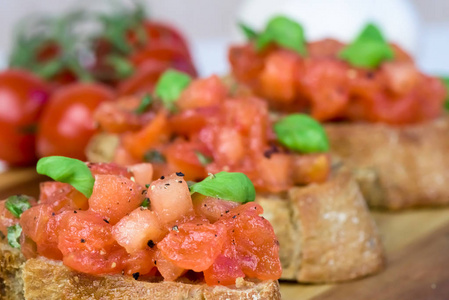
x,y
119,116
109,169
211,208
61,196
168,269
115,196
205,92
141,262
193,246
67,123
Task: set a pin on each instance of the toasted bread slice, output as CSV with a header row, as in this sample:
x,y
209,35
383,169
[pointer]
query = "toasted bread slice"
x,y
41,278
325,231
397,167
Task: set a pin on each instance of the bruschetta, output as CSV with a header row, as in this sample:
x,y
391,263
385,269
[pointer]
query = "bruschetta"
x,y
384,117
104,231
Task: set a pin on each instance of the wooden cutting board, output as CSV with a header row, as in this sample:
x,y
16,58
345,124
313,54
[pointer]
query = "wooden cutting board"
x,y
416,242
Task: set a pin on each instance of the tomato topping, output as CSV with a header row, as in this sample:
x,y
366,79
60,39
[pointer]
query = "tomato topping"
x,y
202,93
6,218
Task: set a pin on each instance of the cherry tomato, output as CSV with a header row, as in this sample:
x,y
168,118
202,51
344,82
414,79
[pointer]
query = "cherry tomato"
x,y
67,122
22,98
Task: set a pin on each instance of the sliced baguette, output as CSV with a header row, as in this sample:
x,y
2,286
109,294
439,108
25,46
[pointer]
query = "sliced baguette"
x,y
45,279
396,167
325,231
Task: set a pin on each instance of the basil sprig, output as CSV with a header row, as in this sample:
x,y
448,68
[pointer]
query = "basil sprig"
x,y
13,235
67,170
17,204
144,104
301,133
280,30
170,86
368,50
446,83
227,186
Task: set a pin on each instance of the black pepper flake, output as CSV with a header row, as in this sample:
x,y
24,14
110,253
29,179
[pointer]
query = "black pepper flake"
x,y
75,212
180,181
205,205
369,75
227,211
130,190
216,235
106,221
276,242
155,262
234,216
53,214
218,281
167,184
179,174
175,228
144,192
162,177
83,240
136,275
273,149
151,244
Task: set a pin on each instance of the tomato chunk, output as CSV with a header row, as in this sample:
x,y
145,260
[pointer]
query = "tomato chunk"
x,y
115,196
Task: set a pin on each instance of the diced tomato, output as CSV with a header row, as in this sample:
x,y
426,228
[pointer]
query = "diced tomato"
x,y
229,145
87,244
154,133
324,48
192,121
325,84
168,269
61,196
183,157
141,262
108,169
226,267
255,242
119,116
205,92
246,64
170,198
401,77
114,196
193,246
311,168
140,230
42,225
275,172
123,158
143,173
211,208
278,78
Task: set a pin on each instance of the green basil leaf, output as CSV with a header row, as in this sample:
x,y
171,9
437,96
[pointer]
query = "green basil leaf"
x,y
204,160
67,170
144,104
446,83
368,50
227,186
284,32
154,156
17,204
170,86
249,33
13,235
146,202
302,133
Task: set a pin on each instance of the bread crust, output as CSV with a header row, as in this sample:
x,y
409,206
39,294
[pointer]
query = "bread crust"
x,y
49,279
396,167
325,231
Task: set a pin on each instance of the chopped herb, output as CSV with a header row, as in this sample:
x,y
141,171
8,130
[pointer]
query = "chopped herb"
x,y
154,156
146,202
147,185
151,244
368,50
144,104
203,159
13,235
170,86
227,186
17,204
301,133
67,170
